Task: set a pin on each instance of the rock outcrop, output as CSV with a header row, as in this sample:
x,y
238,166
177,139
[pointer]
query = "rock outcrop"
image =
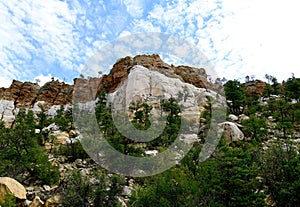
x,y
121,69
255,87
30,95
145,85
25,95
232,133
55,93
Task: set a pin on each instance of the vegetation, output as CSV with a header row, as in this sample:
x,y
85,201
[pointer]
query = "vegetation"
x,y
79,191
20,151
263,170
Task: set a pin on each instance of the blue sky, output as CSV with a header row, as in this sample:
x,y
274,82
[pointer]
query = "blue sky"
x,y
43,39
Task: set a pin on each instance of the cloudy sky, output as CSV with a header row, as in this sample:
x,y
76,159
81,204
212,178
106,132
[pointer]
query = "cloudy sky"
x,y
56,38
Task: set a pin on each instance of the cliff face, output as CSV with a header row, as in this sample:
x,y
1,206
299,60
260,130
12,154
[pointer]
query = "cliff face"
x,y
121,69
25,95
29,95
55,93
145,85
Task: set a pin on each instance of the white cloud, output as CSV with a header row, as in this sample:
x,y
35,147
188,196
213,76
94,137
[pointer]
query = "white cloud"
x,y
265,34
239,37
37,36
42,79
134,8
4,82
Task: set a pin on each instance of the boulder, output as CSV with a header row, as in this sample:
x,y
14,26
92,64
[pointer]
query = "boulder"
x,y
72,133
37,202
11,186
127,191
189,138
233,117
52,127
231,131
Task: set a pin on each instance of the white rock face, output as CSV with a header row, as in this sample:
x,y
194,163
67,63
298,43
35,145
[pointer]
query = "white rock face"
x,y
7,111
231,131
36,107
144,85
51,128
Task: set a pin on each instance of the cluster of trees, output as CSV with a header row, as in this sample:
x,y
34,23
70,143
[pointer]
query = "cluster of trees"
x,y
141,121
22,145
20,150
281,104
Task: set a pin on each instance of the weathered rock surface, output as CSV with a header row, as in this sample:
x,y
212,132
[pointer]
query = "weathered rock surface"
x,y
55,93
255,87
30,96
232,132
144,85
7,112
122,68
11,186
25,95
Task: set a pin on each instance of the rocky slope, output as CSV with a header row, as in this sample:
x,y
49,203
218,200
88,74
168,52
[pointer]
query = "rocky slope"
x,y
145,77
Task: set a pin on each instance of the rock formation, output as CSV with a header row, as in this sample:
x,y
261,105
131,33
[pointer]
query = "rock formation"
x,y
121,69
145,85
55,93
25,95
255,87
30,95
232,133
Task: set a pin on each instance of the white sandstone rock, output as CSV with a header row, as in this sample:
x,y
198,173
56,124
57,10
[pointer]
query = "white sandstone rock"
x,y
231,131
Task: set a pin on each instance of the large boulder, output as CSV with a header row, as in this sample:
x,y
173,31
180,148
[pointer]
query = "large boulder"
x,y
232,132
11,186
233,117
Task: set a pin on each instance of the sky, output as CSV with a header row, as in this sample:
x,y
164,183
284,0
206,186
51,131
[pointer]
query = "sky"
x,y
56,38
